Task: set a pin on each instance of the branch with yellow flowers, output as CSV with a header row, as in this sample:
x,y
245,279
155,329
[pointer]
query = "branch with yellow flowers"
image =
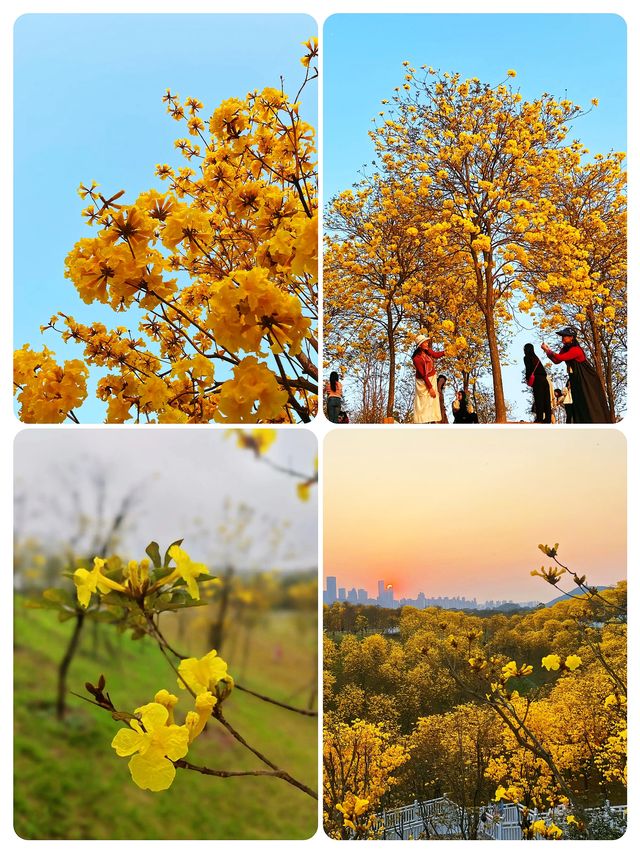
x,y
133,595
258,441
158,745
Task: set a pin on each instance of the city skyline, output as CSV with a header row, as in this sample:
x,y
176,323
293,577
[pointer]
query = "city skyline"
x,y
385,598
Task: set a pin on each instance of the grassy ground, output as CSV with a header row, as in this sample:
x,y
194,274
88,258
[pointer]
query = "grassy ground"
x,y
69,783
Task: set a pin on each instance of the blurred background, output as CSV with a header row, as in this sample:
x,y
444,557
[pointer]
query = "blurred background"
x,y
252,519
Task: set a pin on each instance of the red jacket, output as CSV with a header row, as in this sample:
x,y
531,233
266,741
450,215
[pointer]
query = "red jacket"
x,y
423,363
574,353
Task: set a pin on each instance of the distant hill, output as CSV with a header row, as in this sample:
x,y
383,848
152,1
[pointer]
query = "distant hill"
x,y
566,596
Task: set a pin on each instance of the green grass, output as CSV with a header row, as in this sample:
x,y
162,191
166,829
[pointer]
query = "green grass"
x,y
69,783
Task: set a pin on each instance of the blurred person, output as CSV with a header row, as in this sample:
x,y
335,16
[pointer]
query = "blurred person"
x,y
558,413
568,403
442,381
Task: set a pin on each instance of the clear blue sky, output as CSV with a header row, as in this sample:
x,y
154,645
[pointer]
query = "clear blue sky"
x,y
570,55
88,106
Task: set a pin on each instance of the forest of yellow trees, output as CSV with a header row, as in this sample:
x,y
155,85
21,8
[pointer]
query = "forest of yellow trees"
x,y
480,711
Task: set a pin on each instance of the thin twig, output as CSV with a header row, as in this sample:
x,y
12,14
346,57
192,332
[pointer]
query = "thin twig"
x,y
276,702
282,774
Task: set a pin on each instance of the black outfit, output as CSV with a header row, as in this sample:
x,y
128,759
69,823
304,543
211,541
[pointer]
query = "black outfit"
x,y
568,407
540,388
461,413
589,400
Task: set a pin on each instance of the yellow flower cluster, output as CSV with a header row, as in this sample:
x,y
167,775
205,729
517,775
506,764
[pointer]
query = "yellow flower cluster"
x,y
204,675
47,392
155,742
353,809
554,662
512,670
223,266
542,829
134,579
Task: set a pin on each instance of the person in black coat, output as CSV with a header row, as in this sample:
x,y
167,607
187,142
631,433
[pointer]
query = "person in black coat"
x,y
590,404
536,378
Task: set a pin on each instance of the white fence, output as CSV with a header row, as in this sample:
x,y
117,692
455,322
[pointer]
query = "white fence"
x,y
504,823
439,818
442,818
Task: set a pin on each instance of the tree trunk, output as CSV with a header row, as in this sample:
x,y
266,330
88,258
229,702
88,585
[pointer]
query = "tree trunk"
x,y
597,353
216,631
611,397
391,394
63,667
496,368
597,358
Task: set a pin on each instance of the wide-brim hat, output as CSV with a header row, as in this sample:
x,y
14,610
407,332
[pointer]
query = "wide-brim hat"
x,y
421,339
568,330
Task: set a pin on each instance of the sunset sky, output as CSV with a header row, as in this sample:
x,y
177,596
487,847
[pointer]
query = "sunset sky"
x,y
463,514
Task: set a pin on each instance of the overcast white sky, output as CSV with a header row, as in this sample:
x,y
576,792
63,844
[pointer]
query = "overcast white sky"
x,y
182,478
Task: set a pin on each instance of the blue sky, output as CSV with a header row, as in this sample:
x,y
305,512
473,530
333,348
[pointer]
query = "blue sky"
x,y
88,106
569,55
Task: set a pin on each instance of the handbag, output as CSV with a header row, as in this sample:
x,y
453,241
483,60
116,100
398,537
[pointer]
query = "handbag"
x,y
531,379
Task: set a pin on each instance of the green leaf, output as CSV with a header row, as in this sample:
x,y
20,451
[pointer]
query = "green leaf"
x,y
65,615
167,558
32,604
153,550
178,605
115,598
57,596
103,615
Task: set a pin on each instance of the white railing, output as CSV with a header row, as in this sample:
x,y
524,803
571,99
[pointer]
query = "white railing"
x,y
442,818
439,817
504,822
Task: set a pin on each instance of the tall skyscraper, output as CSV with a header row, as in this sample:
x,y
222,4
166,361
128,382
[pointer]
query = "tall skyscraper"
x,y
332,588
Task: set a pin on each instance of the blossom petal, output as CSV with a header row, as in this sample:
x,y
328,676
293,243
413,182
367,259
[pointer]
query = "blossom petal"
x,y
153,715
175,742
152,771
127,742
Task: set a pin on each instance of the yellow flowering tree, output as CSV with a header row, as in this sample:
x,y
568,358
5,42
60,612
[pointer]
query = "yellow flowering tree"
x,y
585,275
359,762
486,158
374,273
526,707
216,275
388,276
450,753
